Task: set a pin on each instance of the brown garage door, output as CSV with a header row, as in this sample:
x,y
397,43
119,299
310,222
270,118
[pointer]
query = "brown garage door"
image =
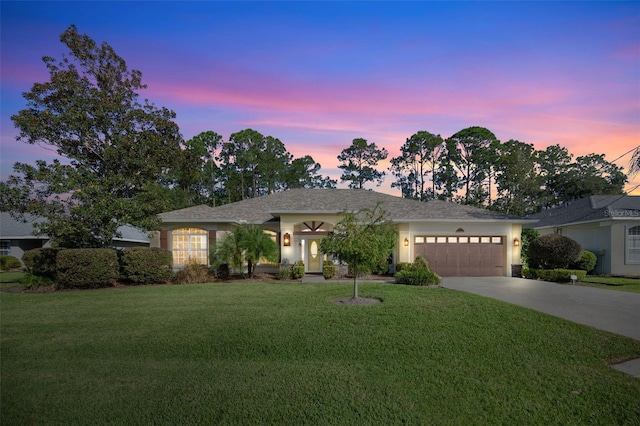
x,y
454,256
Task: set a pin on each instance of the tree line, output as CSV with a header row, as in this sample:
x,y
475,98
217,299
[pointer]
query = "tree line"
x,y
123,160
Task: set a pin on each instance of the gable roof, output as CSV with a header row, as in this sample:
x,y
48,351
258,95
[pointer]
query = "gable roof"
x,y
591,209
269,208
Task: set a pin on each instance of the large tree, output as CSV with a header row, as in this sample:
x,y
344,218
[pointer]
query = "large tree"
x,y
417,164
470,153
303,172
113,148
517,180
359,161
199,171
363,240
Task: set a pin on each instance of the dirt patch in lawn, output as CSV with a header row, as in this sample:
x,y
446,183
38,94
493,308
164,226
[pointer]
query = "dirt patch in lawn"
x,y
358,301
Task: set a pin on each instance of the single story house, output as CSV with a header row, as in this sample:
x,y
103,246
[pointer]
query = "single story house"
x,y
457,240
607,225
16,236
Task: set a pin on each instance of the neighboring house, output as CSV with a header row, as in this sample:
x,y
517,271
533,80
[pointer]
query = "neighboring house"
x,y
455,239
608,225
16,236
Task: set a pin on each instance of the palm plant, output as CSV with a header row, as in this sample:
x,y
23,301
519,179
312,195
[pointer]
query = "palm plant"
x,y
246,243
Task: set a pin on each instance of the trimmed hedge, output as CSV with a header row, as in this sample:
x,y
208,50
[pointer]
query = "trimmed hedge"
x,y
553,251
9,262
147,265
417,273
42,262
557,275
87,268
587,261
328,270
194,274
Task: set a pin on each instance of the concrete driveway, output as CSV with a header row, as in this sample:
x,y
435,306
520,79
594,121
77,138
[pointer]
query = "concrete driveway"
x,y
610,310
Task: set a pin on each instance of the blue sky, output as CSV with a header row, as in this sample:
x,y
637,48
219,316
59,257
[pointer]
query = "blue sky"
x,y
316,75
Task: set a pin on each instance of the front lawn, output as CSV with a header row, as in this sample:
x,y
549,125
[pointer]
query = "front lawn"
x,y
287,354
614,283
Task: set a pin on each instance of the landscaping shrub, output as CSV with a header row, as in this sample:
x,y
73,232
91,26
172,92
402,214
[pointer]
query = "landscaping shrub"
x,y
297,270
553,251
285,272
87,268
193,274
42,261
417,273
402,265
30,281
223,272
328,270
529,273
587,261
147,265
559,275
9,262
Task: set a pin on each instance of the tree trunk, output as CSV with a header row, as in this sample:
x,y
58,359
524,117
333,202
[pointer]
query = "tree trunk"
x,y
355,286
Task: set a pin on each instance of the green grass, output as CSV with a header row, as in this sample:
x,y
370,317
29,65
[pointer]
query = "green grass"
x,y
614,283
10,279
286,354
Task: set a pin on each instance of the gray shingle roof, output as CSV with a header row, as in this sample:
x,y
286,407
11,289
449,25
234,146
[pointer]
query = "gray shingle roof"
x,y
267,208
12,229
593,208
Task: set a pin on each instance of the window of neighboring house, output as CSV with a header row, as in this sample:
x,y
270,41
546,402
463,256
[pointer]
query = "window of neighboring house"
x,y
633,244
189,245
5,247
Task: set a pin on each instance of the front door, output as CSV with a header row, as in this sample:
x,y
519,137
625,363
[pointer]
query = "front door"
x,y
314,255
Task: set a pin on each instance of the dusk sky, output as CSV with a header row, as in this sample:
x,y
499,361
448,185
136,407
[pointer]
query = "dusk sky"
x,y
316,75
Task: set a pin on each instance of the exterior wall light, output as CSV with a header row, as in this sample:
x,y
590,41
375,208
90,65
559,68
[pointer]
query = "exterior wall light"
x,y
286,240
406,242
516,242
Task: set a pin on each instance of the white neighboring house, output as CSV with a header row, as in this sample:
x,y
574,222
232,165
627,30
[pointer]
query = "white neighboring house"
x,y
607,225
16,236
457,240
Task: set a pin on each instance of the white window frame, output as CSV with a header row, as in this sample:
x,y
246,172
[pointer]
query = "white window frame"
x,y
5,247
190,245
632,245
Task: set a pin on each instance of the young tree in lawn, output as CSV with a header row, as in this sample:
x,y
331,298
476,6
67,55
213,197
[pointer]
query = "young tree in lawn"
x,y
359,161
362,240
113,148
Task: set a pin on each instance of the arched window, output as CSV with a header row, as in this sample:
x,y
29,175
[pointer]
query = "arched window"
x,y
189,245
633,244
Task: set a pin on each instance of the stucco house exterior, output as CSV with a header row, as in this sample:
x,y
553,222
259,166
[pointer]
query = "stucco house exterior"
x,y
457,240
608,225
16,236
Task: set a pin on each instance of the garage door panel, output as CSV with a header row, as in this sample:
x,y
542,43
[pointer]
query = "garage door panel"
x,y
466,256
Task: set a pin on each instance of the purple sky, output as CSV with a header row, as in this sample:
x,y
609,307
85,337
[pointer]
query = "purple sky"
x,y
316,75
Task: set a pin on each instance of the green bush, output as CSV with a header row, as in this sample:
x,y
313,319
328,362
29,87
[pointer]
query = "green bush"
x,y
285,272
193,274
31,281
9,262
402,265
297,270
553,251
42,261
328,270
147,265
223,272
529,273
87,268
417,273
559,275
587,261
